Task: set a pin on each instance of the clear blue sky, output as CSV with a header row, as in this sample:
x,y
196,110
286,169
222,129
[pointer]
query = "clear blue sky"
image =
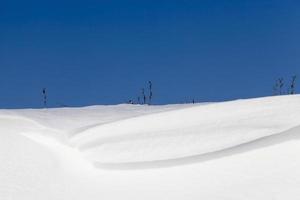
x,y
103,52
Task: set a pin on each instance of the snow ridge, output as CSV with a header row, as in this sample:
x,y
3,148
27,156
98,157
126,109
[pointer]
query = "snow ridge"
x,y
164,134
187,132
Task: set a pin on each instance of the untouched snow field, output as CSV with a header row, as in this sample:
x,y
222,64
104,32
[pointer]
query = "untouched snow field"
x,y
244,149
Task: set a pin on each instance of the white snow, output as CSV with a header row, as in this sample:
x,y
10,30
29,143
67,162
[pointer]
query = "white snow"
x,y
244,149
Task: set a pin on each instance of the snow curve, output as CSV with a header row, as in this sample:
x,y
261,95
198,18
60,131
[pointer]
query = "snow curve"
x,y
188,132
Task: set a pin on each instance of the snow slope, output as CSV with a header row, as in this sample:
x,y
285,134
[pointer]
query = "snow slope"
x,y
244,149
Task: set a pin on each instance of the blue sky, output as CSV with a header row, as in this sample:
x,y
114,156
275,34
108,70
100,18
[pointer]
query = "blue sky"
x,y
104,52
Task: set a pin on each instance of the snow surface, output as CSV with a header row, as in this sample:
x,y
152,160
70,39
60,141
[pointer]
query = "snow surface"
x,y
244,149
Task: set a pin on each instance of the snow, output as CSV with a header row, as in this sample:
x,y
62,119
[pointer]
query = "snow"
x,y
243,149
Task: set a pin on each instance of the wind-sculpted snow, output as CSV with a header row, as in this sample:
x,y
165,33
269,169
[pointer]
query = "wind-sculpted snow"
x,y
187,132
261,143
164,133
69,153
142,134
74,120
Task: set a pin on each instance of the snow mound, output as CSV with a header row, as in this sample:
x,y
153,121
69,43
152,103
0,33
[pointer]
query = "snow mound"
x,y
194,131
133,134
69,153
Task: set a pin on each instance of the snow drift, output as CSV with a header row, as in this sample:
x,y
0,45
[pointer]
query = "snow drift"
x,y
187,132
66,142
134,134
